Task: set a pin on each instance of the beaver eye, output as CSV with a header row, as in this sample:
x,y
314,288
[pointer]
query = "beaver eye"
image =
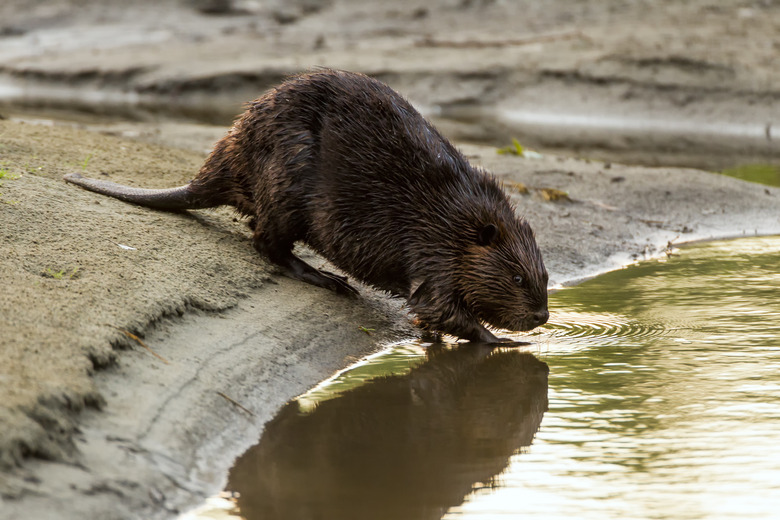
x,y
518,279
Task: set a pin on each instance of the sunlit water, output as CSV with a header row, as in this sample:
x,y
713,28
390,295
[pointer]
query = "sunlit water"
x,y
664,403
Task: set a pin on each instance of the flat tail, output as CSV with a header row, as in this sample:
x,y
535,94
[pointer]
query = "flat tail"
x,y
170,199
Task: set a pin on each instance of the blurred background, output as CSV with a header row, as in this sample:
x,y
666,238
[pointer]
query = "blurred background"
x,y
656,82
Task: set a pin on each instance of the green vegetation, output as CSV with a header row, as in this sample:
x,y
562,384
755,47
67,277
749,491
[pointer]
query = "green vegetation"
x,y
5,174
85,162
768,174
514,149
62,274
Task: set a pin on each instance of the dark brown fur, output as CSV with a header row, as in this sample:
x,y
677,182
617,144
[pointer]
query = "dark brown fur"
x,y
343,163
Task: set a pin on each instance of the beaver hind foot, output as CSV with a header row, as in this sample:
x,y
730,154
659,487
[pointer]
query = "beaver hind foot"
x,y
296,268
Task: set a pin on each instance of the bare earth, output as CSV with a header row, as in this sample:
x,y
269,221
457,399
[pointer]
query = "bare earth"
x,y
95,425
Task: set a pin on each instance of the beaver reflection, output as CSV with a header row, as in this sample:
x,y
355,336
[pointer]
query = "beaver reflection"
x,y
398,447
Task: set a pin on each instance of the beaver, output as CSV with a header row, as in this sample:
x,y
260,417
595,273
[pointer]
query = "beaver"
x,y
343,163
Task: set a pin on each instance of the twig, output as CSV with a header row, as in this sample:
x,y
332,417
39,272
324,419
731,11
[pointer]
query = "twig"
x,y
144,345
235,403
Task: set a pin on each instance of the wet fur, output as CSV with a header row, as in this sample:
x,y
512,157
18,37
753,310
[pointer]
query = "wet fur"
x,y
343,163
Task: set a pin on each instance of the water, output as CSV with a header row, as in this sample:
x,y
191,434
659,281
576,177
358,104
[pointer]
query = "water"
x,y
627,135
644,125
664,395
768,174
662,402
746,148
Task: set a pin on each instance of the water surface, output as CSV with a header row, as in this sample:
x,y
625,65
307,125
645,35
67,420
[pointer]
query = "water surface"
x,y
662,402
664,395
756,172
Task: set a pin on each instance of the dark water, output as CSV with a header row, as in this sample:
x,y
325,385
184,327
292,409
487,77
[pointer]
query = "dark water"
x,y
662,401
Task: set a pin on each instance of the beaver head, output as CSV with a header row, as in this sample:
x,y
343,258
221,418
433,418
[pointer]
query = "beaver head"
x,y
502,277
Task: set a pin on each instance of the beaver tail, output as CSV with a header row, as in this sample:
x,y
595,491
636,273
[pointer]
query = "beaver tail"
x,y
171,199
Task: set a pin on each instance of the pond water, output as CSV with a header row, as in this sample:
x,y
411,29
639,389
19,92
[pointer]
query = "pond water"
x,y
761,173
662,401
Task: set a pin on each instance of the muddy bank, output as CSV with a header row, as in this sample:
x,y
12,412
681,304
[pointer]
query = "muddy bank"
x,y
82,278
76,267
96,424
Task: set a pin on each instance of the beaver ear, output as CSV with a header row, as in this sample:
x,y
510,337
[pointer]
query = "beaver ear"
x,y
487,235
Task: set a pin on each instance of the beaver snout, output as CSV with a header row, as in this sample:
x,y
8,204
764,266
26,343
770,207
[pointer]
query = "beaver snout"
x,y
539,318
535,319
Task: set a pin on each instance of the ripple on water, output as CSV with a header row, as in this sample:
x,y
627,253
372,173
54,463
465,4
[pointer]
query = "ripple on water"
x,y
607,327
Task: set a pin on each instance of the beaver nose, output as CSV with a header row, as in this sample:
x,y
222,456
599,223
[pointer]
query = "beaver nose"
x,y
540,317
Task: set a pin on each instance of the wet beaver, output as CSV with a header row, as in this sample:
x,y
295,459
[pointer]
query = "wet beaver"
x,y
343,163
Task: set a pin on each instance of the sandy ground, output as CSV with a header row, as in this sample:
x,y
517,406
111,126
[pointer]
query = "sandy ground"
x,y
92,424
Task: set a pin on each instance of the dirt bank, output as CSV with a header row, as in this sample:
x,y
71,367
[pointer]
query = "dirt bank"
x,y
95,425
79,273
